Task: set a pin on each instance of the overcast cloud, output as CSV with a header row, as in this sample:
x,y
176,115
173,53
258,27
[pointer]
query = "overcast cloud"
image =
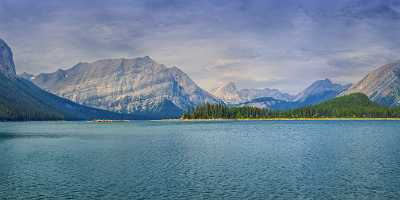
x,y
283,44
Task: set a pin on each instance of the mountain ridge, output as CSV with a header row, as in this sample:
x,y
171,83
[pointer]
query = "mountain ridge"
x,y
230,94
381,85
356,105
22,100
137,85
7,66
317,92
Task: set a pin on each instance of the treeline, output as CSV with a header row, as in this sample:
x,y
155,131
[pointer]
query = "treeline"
x,y
17,103
351,106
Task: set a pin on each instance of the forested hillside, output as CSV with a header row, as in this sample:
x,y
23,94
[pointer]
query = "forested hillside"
x,y
22,100
350,106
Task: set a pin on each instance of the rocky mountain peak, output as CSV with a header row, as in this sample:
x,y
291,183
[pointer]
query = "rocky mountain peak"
x,y
320,90
137,85
229,87
26,76
382,85
227,92
325,83
230,94
7,66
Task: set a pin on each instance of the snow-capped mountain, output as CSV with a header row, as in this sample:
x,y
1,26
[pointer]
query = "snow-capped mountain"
x,y
138,85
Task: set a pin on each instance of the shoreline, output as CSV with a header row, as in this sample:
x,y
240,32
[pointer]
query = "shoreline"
x,y
299,119
216,120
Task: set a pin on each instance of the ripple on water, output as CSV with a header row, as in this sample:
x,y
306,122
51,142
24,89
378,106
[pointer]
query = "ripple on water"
x,y
200,160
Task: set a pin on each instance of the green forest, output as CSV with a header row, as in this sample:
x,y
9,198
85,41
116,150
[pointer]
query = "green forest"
x,y
350,106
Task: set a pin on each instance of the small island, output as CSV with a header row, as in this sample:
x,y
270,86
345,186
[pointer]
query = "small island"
x,y
354,106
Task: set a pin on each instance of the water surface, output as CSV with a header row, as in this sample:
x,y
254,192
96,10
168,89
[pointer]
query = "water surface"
x,y
200,160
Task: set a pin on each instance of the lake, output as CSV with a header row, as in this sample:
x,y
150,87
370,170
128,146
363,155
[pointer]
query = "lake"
x,y
200,160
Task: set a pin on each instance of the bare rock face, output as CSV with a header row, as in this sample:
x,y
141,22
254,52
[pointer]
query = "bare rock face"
x,y
22,100
381,85
126,85
7,67
230,94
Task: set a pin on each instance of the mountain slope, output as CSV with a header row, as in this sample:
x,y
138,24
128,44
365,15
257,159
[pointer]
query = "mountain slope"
x,y
250,94
137,85
356,105
227,92
22,100
353,105
381,85
269,103
7,66
319,91
230,94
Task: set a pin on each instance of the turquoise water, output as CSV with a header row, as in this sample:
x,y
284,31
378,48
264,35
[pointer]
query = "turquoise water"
x,y
200,160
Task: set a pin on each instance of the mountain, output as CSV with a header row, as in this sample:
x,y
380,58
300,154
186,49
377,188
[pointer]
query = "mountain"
x,y
230,94
269,103
250,94
319,91
139,86
26,76
22,100
7,66
355,105
381,85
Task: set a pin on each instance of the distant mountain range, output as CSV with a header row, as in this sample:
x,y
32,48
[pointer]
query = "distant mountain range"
x,y
22,100
230,94
317,92
139,86
355,105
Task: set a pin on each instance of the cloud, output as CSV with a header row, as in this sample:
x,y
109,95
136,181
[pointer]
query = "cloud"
x,y
257,43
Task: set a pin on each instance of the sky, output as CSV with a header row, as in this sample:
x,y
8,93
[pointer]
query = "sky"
x,y
284,44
